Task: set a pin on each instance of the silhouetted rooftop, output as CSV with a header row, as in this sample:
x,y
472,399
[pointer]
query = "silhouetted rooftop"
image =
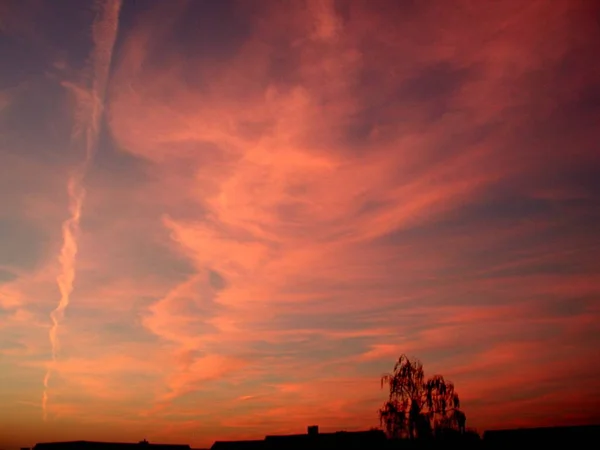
x,y
581,433
92,445
345,439
337,436
242,445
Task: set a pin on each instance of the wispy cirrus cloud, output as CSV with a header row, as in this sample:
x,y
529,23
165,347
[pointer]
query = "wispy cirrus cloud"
x,y
278,209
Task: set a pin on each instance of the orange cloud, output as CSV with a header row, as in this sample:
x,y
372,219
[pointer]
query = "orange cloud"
x,y
284,200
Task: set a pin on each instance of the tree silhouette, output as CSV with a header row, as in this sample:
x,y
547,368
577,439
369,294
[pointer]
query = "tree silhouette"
x,y
418,407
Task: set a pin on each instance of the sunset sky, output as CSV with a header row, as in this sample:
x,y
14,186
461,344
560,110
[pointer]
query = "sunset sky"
x,y
224,219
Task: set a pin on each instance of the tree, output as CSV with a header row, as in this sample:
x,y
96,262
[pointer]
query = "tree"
x,y
419,407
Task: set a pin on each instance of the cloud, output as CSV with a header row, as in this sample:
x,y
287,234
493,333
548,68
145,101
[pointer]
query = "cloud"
x,y
278,209
280,213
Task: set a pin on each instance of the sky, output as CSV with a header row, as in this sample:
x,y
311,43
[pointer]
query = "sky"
x,y
225,219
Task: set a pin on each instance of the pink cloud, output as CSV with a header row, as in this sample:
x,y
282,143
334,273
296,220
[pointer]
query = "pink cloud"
x,y
274,217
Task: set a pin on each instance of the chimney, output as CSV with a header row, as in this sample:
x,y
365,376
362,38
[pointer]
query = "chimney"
x,y
313,430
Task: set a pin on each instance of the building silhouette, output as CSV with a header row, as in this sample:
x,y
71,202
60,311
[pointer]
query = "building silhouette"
x,y
371,439
543,436
92,445
311,440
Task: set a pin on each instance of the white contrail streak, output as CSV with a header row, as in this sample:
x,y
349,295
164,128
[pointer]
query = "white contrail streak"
x,y
88,120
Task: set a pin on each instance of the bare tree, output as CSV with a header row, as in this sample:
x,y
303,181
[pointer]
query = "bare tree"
x,y
416,406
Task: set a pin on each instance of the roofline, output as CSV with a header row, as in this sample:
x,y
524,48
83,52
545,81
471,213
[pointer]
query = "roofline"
x,y
112,443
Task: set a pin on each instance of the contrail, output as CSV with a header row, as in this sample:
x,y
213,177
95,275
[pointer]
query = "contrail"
x,y
88,120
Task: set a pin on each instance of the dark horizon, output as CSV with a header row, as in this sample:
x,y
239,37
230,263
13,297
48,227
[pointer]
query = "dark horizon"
x,y
492,436
594,427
